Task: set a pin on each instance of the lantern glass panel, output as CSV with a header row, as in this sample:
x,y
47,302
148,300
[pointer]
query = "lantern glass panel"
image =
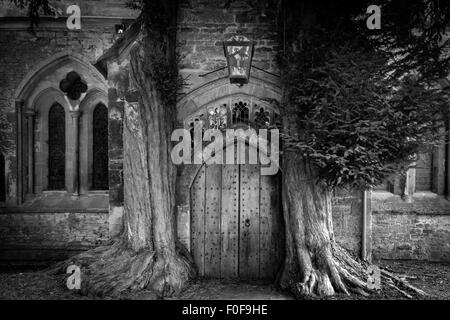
x,y
239,52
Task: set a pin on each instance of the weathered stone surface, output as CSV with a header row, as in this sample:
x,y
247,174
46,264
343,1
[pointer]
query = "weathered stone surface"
x,y
347,219
203,28
115,153
39,237
411,236
416,230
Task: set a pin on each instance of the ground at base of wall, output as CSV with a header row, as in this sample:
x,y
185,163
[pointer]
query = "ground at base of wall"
x,y
434,278
431,277
210,289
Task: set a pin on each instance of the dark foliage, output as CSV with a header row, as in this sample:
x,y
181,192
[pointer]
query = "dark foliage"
x,y
162,59
36,8
364,102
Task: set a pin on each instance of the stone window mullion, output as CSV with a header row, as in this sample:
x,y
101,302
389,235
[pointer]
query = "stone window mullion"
x,y
2,178
447,160
75,122
30,115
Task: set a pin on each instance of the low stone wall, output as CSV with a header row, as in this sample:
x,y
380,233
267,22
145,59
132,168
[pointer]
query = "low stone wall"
x,y
347,220
419,230
33,238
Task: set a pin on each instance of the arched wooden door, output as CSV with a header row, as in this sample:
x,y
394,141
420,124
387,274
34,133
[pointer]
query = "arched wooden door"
x,y
236,222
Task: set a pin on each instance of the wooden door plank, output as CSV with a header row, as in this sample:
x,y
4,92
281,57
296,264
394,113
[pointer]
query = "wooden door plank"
x,y
197,221
277,224
230,221
271,240
265,232
212,220
249,222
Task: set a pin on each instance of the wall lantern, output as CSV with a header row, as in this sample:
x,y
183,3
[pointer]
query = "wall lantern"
x,y
239,53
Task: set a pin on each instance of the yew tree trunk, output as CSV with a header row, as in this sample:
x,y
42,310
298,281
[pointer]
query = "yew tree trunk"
x,y
311,263
146,255
315,265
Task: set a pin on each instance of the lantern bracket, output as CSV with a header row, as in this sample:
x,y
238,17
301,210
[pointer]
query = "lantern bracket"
x,y
272,74
253,66
208,73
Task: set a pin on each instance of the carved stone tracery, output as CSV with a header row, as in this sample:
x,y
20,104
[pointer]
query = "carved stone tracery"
x,y
237,112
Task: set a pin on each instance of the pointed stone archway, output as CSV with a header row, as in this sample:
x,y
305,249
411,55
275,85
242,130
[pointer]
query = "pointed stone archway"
x,y
229,216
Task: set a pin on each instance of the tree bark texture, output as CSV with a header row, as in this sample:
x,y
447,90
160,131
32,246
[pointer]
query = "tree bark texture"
x,y
310,266
147,255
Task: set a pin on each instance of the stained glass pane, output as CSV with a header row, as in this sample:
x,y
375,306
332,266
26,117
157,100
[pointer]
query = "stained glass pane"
x,y
239,59
2,179
56,148
262,118
240,113
218,117
100,179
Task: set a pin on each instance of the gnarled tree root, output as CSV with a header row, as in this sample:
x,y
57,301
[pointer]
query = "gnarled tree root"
x,y
326,272
115,270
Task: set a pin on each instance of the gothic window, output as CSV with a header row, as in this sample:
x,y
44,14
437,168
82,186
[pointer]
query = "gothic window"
x,y
240,113
2,179
262,118
100,148
56,148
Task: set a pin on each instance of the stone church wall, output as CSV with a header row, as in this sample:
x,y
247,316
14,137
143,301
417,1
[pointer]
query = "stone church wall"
x,y
35,234
418,230
396,230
